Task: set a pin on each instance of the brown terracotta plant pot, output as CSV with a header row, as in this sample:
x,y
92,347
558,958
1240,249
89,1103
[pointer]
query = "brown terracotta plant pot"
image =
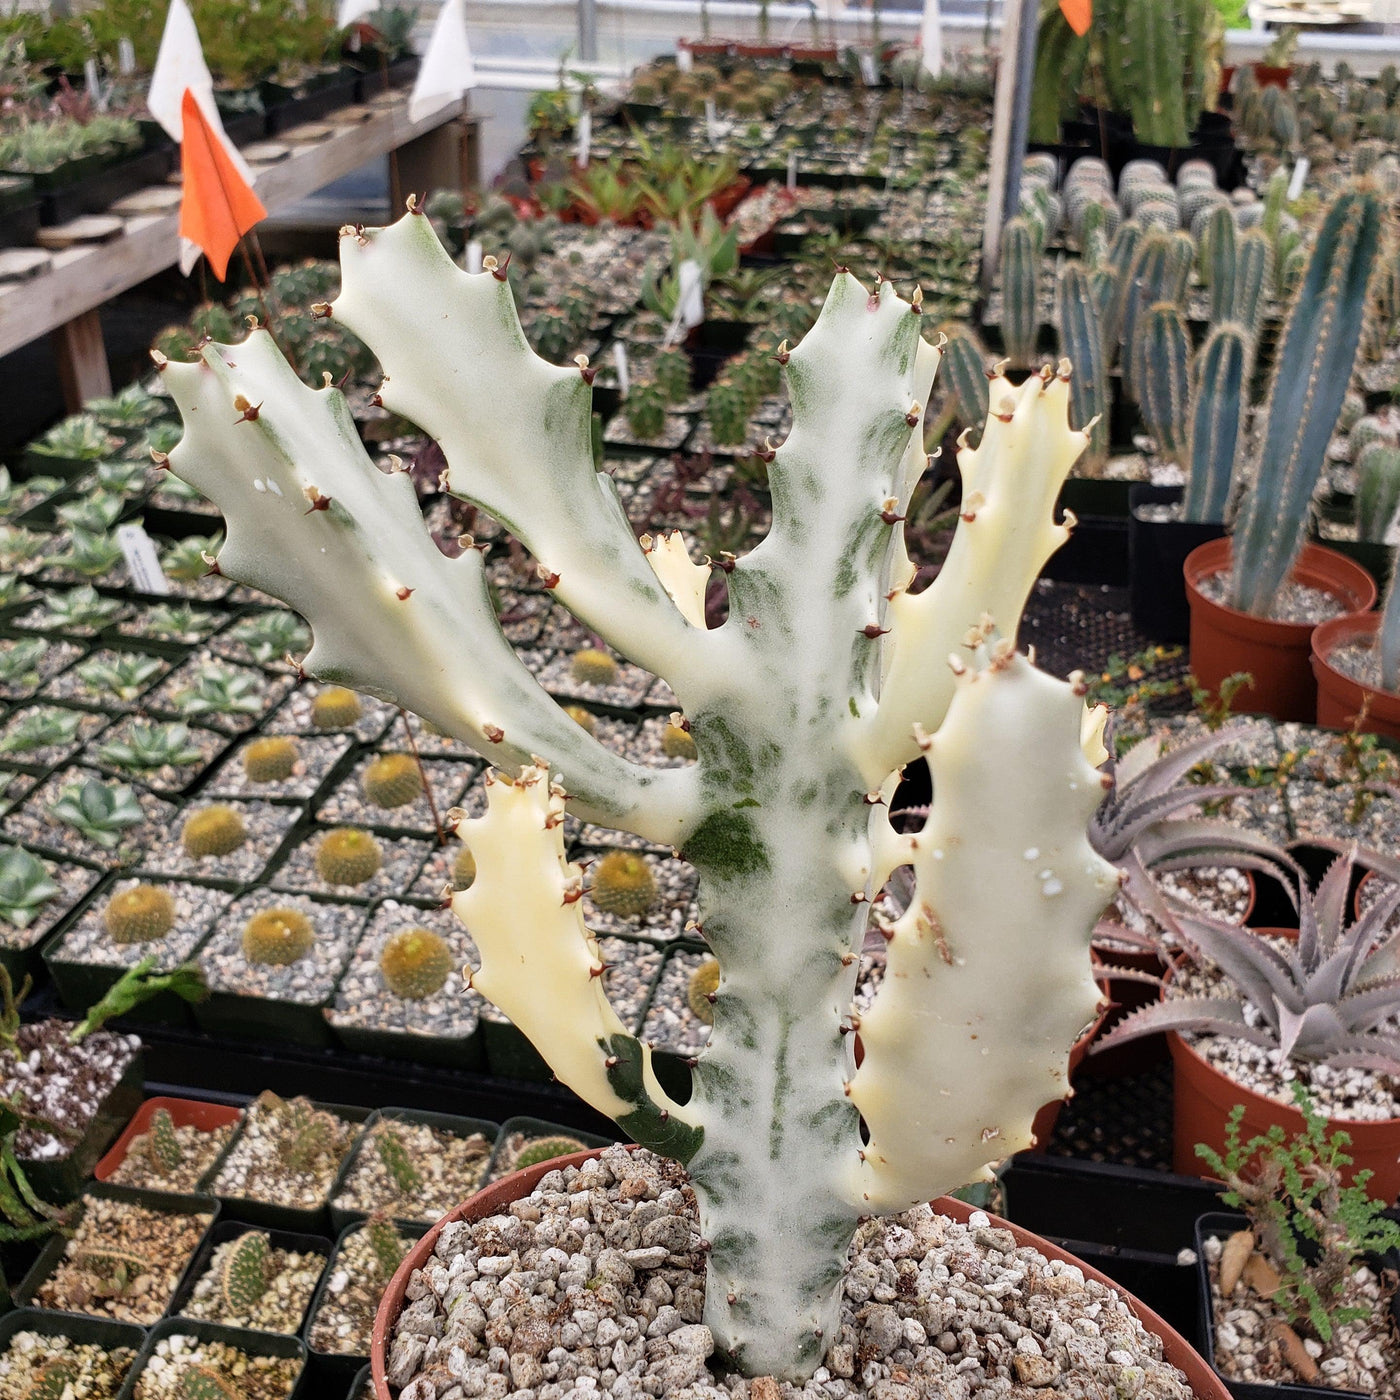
x,y
494,1199
1203,1099
1277,654
183,1113
1339,698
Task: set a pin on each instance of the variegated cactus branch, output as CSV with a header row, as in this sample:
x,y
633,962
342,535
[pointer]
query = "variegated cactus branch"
x,y
457,363
313,521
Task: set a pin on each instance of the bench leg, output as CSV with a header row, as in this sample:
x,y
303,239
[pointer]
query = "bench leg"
x,y
82,360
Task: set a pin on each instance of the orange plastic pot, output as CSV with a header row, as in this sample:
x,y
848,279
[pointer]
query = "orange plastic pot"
x,y
1203,1099
1276,654
184,1113
1339,698
494,1199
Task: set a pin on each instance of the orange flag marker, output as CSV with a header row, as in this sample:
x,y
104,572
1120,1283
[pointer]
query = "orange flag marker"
x,y
219,206
1078,14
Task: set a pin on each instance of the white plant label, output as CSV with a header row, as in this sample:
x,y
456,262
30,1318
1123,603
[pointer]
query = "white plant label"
x,y
792,170
1300,174
142,561
585,137
624,375
474,255
126,57
869,73
711,119
684,60
92,80
691,302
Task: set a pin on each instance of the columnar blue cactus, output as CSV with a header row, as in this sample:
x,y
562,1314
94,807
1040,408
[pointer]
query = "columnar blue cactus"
x,y
1254,273
1159,273
827,678
1081,343
1378,492
1161,372
964,369
1221,252
1219,403
1020,291
1311,373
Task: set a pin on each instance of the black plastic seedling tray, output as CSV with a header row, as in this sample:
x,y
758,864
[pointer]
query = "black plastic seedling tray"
x,y
255,1343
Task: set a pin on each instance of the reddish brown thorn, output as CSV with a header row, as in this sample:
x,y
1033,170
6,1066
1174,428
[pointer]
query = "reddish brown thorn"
x,y
602,967
765,453
494,733
247,412
343,381
377,401
415,203
160,459
611,1062
886,932
892,517
913,416
665,1115
403,593
214,571
725,562
873,799
692,1061
499,273
840,267
549,580
860,897
872,630
318,501
782,354
712,997
731,1298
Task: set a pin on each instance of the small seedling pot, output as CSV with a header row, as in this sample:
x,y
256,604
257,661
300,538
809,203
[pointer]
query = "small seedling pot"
x,y
254,1343
183,1113
91,1331
1341,700
1157,550
1276,654
536,1128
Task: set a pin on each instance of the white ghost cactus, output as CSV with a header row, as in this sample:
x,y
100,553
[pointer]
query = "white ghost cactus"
x,y
826,679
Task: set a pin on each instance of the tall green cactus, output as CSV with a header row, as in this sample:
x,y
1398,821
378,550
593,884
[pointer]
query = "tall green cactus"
x,y
1378,492
1388,638
1159,274
1219,404
1081,343
964,371
1254,272
828,677
1311,372
1020,291
1221,250
1161,360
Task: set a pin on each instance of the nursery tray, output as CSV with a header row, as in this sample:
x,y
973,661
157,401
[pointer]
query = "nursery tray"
x,y
255,1343
98,1331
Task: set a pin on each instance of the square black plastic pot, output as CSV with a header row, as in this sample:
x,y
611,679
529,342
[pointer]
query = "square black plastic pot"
x,y
1221,1225
88,1331
225,1230
261,1018
537,1128
309,104
1095,553
62,1178
28,960
1157,549
101,188
255,1343
510,1055
446,1122
359,1385
52,1252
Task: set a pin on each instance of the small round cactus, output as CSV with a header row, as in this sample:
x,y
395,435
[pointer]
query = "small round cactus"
x,y
200,1383
623,884
463,869
581,717
677,743
348,856
278,937
701,990
270,760
415,962
393,780
336,708
546,1150
593,667
141,914
213,831
52,1380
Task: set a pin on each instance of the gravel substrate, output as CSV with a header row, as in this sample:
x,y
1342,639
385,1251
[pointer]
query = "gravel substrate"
x,y
254,1377
72,685
1324,755
294,716
1361,1095
199,1150
644,745
100,1369
254,1168
1295,602
88,727
1253,744
670,1023
450,1165
1358,661
431,745
73,882
605,1282
88,940
1350,814
675,906
49,658
153,1245
32,823
347,805
317,754
626,693
309,980
1360,1356
401,858
267,825
291,1275
47,1077
364,1000
342,1324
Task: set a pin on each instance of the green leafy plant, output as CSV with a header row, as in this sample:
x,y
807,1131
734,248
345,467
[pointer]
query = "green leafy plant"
x,y
177,622
271,636
136,986
97,510
90,554
1313,1229
133,407
80,438
1214,707
221,691
25,886
121,476
188,559
20,546
80,609
20,663
122,675
42,727
100,811
149,746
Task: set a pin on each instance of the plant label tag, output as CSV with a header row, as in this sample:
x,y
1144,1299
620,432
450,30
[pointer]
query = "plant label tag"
x,y
685,61
142,561
474,255
869,73
711,119
585,137
93,82
690,304
624,376
792,170
1300,174
126,57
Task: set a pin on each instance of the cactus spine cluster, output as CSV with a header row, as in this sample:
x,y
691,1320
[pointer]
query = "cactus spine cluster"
x,y
348,856
1378,492
53,1379
393,780
200,1383
270,760
244,1277
278,937
545,1150
828,678
162,1142
623,884
393,1154
387,1246
1082,344
964,372
591,666
213,831
1311,372
1161,376
336,707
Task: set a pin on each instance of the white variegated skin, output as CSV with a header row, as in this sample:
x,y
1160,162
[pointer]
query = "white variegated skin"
x,y
826,679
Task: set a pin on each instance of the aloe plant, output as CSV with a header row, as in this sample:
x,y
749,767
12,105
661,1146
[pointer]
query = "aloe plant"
x,y
122,477
91,554
178,622
122,675
20,546
21,663
133,407
81,609
93,513
14,590
99,811
149,747
25,886
80,438
43,727
220,691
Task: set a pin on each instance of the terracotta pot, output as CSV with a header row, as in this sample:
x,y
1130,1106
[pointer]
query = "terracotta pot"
x,y
183,1112
1339,698
1205,1384
1277,654
1203,1099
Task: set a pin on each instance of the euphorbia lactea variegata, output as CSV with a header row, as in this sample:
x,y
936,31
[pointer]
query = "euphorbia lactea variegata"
x,y
827,678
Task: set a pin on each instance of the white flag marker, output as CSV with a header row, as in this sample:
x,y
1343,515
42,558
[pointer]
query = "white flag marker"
x,y
447,69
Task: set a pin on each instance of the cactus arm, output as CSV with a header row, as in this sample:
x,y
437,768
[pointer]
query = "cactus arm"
x,y
1222,260
1388,638
1311,374
1002,865
314,522
1082,344
1006,533
1154,63
514,429
542,967
1020,291
684,580
1161,358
